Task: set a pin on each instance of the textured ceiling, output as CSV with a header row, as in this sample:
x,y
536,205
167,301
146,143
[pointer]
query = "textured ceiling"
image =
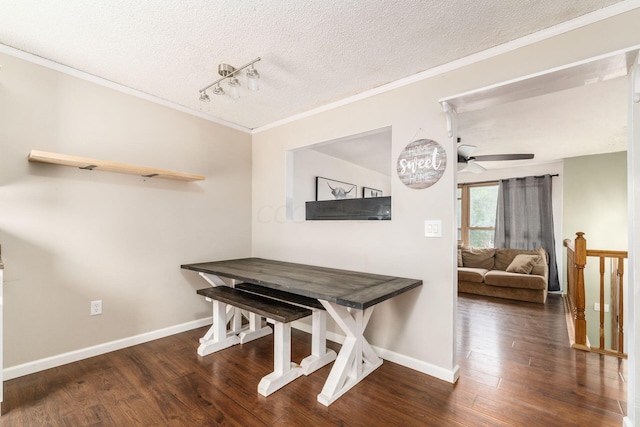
x,y
313,52
574,122
578,110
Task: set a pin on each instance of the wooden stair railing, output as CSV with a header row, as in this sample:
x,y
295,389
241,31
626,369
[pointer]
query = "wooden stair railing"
x,y
577,254
575,296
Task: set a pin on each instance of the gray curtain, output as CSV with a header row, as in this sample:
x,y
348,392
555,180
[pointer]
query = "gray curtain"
x,y
524,218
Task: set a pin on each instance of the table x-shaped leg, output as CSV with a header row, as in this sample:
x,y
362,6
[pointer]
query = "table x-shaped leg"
x,y
356,358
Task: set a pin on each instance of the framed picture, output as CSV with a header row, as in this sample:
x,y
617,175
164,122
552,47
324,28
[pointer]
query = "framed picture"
x,y
371,192
330,189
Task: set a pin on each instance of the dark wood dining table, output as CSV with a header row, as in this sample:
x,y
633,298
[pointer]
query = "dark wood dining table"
x,y
348,296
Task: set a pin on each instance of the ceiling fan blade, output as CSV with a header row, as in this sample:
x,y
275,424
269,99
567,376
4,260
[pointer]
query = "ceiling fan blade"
x,y
500,157
473,167
466,150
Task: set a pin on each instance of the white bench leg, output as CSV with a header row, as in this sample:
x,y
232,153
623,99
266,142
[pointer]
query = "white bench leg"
x,y
233,317
284,371
319,355
208,336
255,330
235,324
218,338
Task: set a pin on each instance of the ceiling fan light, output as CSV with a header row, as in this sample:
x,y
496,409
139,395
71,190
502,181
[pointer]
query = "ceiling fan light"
x,y
466,150
473,167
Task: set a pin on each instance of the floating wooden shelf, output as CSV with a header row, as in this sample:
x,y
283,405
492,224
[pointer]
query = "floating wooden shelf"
x,y
93,164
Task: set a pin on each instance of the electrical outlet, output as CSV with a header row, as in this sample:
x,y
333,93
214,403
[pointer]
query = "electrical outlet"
x,y
96,307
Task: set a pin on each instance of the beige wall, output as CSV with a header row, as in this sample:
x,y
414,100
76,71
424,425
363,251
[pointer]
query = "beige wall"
x,y
71,236
417,328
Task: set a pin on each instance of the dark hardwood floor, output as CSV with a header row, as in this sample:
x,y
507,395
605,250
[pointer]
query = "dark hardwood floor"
x,y
516,369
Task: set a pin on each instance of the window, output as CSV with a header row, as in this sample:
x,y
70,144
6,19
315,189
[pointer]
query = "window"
x,y
476,206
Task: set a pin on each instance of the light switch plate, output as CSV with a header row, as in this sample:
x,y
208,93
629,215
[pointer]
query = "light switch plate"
x,y
433,228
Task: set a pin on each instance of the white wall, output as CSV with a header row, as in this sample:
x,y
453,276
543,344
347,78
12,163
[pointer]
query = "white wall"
x,y
633,295
308,164
417,328
70,236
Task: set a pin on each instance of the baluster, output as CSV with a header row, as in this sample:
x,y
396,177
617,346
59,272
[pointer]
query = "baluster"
x,y
620,305
601,303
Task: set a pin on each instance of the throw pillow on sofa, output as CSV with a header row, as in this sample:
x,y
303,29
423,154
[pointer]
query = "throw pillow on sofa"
x,y
478,257
523,264
505,256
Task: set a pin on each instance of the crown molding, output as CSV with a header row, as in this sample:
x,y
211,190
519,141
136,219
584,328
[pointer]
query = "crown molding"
x,y
564,27
38,60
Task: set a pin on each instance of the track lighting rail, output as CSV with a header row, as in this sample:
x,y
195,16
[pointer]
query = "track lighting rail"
x,y
227,72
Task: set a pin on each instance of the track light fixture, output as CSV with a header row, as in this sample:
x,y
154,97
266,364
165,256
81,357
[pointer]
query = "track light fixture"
x,y
234,88
204,102
217,90
253,79
229,72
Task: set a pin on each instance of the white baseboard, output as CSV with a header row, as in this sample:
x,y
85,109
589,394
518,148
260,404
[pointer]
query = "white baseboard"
x,y
450,376
626,422
406,361
96,350
85,353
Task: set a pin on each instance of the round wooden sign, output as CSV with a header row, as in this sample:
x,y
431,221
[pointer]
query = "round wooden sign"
x,y
421,164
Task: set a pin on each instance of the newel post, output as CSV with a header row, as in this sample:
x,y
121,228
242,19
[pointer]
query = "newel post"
x,y
580,261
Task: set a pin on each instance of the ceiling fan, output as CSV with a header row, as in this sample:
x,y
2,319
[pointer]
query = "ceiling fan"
x,y
467,162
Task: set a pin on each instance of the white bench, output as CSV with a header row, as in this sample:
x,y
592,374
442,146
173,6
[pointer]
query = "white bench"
x,y
320,356
280,313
